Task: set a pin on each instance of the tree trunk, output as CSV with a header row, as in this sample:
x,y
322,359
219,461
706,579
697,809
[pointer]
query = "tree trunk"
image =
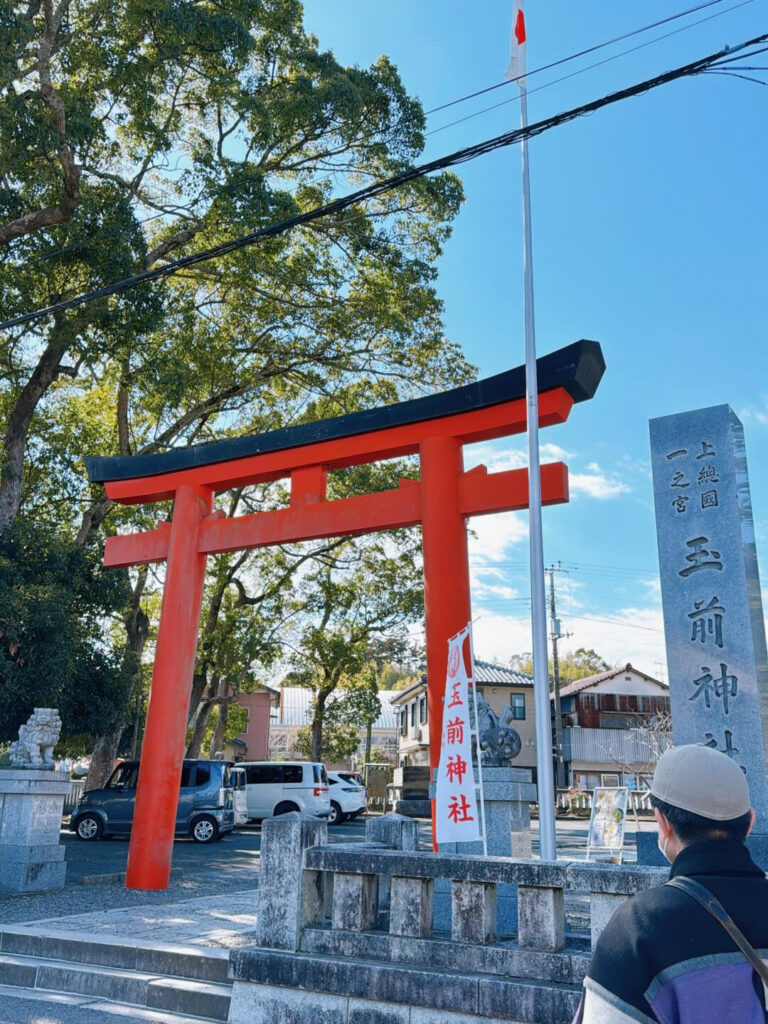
x,y
317,738
316,729
102,759
199,684
136,624
217,740
201,724
19,421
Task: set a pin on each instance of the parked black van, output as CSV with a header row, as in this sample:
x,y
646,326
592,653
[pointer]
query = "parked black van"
x,y
205,811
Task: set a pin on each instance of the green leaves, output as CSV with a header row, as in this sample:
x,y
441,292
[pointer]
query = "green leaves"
x,y
54,648
137,131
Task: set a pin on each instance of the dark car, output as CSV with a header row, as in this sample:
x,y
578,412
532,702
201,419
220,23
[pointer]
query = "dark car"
x,y
205,811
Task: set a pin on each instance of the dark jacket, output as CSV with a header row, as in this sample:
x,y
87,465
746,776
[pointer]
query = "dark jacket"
x,y
663,959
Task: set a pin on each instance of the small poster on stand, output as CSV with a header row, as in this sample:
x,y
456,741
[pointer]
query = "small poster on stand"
x,y
606,825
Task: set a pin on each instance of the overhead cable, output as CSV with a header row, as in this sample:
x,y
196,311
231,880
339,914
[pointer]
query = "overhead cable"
x,y
589,67
581,53
386,185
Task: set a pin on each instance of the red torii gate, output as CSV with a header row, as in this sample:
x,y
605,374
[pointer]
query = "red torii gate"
x,y
435,428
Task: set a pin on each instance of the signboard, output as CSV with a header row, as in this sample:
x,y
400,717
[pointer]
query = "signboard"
x,y
713,619
457,811
606,826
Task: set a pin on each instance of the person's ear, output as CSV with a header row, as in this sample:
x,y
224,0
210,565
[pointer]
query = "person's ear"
x,y
752,817
665,829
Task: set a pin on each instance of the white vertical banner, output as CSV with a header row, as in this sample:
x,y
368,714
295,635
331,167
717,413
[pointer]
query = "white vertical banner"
x,y
457,814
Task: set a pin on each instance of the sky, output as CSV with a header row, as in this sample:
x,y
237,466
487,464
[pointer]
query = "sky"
x,y
650,221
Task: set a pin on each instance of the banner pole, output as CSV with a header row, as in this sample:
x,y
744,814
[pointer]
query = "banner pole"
x,y
481,801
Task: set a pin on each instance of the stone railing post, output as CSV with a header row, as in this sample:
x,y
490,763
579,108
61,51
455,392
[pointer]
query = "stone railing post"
x,y
290,898
397,832
602,907
473,912
541,919
411,908
354,902
609,887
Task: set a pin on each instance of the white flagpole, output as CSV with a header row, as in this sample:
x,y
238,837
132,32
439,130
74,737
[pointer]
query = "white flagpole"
x,y
544,773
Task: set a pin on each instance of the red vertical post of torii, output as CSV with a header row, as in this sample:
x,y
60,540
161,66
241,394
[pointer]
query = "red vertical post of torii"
x,y
446,572
157,796
435,429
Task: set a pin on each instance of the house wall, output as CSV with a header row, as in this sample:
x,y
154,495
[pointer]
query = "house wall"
x,y
256,736
413,743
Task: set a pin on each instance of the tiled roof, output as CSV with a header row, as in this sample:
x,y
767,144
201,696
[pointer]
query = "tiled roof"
x,y
486,673
500,675
296,707
584,684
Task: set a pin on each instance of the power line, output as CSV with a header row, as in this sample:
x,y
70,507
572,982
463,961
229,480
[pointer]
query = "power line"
x,y
386,185
590,67
575,56
79,245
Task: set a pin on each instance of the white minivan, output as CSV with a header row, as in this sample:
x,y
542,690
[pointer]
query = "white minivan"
x,y
279,787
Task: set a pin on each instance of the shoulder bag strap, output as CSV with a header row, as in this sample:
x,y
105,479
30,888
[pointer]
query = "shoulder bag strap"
x,y
703,896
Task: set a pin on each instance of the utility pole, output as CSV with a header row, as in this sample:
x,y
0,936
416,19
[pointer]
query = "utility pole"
x,y
555,635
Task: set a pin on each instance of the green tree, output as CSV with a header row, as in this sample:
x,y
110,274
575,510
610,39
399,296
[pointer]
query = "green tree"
x,y
133,132
54,649
354,706
367,591
574,665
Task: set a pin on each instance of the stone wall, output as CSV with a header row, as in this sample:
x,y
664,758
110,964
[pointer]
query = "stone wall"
x,y
347,933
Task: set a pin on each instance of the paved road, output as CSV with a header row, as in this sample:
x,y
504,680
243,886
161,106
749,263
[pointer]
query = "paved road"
x,y
225,867
238,853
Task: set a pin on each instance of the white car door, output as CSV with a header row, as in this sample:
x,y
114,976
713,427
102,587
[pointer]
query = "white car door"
x,y
257,790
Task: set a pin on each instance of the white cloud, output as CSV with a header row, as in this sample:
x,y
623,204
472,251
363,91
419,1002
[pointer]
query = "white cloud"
x,y
500,460
497,637
627,634
495,535
753,414
597,484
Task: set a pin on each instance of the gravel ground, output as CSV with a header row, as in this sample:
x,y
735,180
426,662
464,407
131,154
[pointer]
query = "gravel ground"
x,y
83,899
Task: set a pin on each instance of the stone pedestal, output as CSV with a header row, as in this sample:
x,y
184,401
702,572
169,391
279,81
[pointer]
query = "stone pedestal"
x,y
31,808
508,794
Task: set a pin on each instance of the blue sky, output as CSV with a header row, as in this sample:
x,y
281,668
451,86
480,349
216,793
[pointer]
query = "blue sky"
x,y
650,223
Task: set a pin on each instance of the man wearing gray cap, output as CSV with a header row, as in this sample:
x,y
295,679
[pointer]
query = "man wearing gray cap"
x,y
692,951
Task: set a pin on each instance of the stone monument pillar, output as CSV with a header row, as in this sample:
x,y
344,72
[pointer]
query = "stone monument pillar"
x,y
713,616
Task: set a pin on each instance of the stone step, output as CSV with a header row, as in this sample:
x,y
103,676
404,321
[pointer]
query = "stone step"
x,y
272,985
37,999
157,958
178,995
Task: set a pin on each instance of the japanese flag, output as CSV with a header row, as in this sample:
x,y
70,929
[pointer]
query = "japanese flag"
x,y
516,66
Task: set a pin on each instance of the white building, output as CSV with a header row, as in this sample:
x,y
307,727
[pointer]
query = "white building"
x,y
615,725
295,712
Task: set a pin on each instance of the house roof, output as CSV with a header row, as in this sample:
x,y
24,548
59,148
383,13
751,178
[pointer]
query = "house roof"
x,y
500,675
589,681
297,708
486,674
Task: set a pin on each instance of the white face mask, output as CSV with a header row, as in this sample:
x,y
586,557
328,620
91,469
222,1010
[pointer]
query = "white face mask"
x,y
662,845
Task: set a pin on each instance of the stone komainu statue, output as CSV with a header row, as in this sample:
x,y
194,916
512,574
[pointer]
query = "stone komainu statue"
x,y
499,742
34,747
